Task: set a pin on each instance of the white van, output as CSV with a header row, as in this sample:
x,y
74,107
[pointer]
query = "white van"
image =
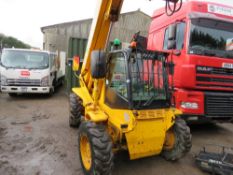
x,y
29,71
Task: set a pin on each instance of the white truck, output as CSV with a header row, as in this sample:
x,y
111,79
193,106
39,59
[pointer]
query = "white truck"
x,y
30,71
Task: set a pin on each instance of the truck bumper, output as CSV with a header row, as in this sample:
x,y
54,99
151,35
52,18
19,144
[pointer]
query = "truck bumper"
x,y
190,102
24,89
197,105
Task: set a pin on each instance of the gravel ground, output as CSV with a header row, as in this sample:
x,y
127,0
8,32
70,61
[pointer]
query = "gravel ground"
x,y
35,139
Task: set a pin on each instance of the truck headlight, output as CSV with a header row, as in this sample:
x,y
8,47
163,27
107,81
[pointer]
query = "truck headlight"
x,y
45,81
3,81
189,105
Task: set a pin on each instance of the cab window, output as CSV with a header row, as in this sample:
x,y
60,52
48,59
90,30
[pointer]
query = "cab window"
x,y
117,75
180,33
116,82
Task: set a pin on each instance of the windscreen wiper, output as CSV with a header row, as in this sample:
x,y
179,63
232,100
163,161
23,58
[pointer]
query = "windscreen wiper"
x,y
229,54
10,67
197,50
201,50
208,52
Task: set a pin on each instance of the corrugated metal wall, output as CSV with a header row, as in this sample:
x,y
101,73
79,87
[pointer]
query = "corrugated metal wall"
x,y
72,37
129,24
57,37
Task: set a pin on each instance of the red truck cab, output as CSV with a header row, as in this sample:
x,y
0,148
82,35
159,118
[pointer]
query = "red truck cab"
x,y
203,58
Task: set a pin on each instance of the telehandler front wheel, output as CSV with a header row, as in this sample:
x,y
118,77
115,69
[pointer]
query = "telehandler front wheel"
x,y
178,141
76,110
95,149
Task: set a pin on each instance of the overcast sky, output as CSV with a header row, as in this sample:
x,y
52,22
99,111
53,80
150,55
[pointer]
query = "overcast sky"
x,y
24,18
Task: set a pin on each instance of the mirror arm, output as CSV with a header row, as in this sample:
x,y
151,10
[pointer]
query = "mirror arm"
x,y
177,53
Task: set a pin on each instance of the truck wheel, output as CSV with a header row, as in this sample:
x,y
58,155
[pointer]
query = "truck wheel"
x,y
76,110
95,149
12,94
51,92
178,141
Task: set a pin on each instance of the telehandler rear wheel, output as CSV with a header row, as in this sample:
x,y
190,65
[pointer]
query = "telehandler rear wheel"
x,y
178,141
76,110
95,149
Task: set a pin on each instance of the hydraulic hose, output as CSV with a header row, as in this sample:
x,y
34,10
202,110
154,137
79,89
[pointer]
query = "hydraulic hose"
x,y
173,6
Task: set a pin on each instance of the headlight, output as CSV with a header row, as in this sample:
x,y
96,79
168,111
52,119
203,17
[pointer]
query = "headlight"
x,y
3,81
189,105
45,81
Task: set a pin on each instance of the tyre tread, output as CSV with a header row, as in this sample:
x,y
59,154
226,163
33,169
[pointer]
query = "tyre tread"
x,y
101,148
76,110
184,143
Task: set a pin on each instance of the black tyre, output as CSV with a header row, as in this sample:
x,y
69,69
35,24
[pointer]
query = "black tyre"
x,y
182,141
95,149
51,92
76,110
12,94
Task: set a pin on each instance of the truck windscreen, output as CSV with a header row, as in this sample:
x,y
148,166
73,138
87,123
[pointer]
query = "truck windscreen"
x,y
211,38
24,59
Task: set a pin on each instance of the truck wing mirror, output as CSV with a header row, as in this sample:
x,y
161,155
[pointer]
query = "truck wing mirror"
x,y
76,63
171,66
172,37
171,44
98,64
172,32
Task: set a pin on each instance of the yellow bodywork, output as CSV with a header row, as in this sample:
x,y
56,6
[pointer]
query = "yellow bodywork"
x,y
144,131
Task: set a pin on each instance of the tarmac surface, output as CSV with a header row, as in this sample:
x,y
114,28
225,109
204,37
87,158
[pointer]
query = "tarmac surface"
x,y
35,139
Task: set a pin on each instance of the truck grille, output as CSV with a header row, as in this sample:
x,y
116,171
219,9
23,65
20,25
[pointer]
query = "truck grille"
x,y
23,82
210,79
214,71
219,104
226,82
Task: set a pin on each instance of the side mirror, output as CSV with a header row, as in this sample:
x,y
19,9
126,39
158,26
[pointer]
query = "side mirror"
x,y
171,44
98,64
76,63
172,37
172,32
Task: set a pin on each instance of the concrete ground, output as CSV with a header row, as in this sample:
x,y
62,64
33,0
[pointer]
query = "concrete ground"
x,y
35,139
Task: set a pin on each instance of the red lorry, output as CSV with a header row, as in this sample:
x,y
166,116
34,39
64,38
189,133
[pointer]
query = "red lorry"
x,y
202,52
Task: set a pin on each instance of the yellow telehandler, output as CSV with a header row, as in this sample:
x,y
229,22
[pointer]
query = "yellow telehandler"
x,y
124,101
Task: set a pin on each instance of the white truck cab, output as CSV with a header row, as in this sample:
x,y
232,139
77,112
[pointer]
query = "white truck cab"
x,y
30,71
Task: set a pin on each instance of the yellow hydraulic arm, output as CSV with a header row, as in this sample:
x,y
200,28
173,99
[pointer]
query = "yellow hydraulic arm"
x,y
108,12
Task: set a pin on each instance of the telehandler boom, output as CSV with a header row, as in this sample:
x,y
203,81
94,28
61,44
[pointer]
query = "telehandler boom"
x,y
124,100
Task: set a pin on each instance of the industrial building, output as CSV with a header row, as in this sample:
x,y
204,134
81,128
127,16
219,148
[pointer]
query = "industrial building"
x,y
71,37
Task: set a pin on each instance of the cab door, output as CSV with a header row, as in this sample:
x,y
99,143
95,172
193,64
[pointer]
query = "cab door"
x,y
178,53
117,81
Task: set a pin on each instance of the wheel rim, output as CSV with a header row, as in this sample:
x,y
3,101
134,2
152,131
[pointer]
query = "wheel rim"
x,y
85,149
170,140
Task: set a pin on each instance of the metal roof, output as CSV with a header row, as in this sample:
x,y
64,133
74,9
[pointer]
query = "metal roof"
x,y
88,20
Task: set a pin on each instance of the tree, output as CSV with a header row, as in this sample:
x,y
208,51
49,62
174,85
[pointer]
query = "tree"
x,y
9,42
